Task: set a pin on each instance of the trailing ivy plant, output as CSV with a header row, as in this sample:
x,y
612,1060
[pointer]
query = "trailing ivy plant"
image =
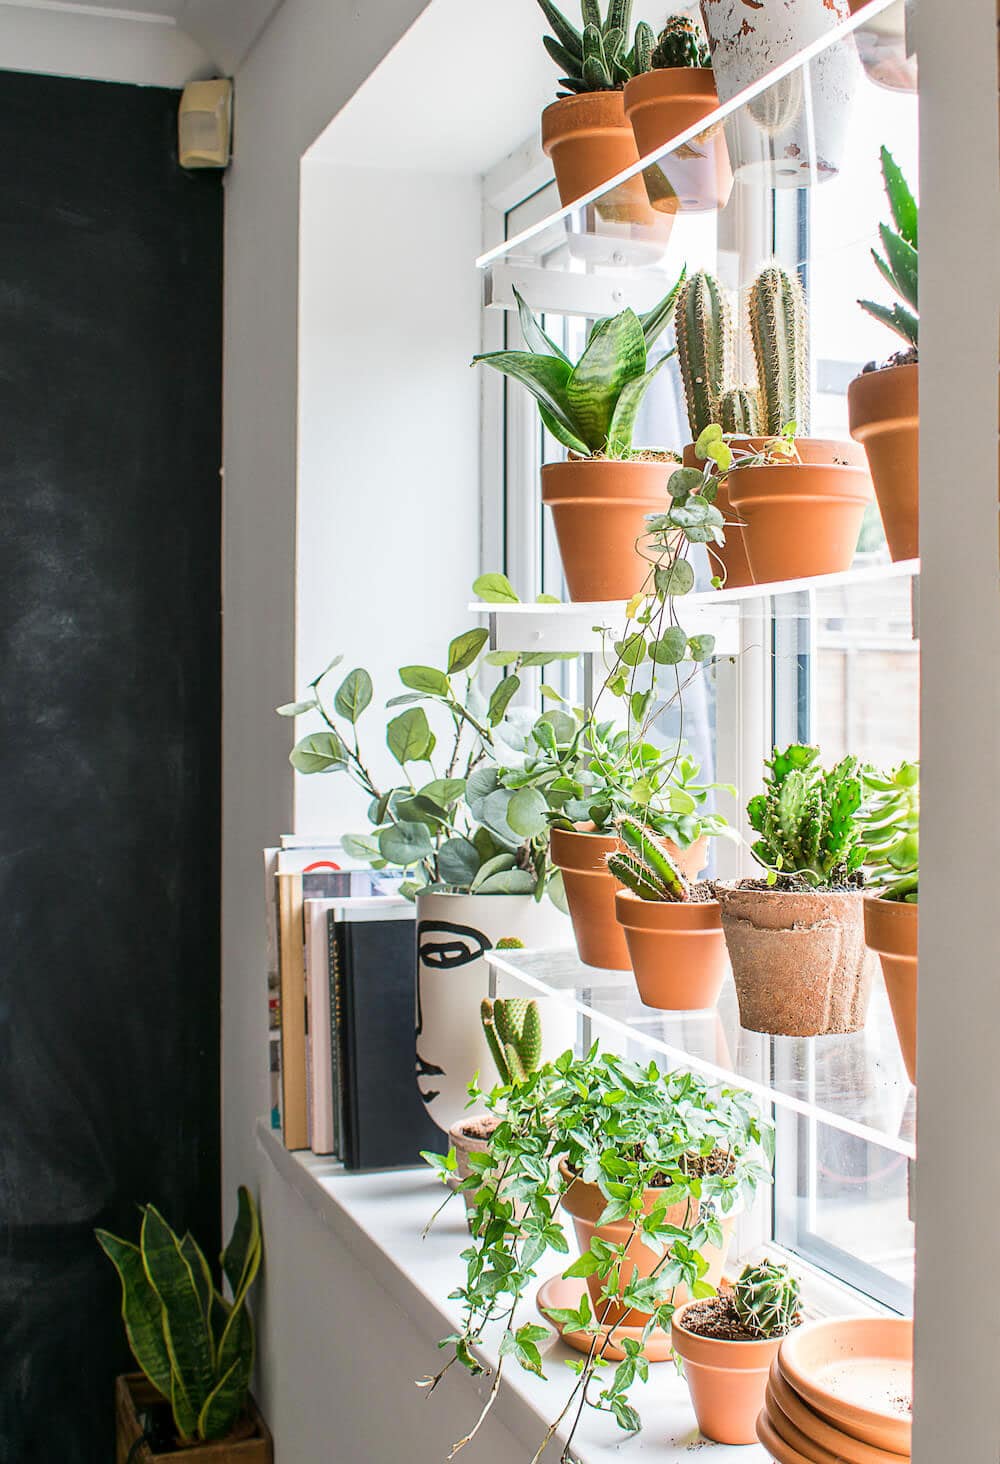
x,y
627,1129
890,831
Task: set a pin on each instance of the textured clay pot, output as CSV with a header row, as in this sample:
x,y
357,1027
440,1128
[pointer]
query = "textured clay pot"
x,y
802,518
811,1435
678,951
586,1203
662,104
726,1380
856,1372
884,415
589,140
799,960
891,930
599,507
454,932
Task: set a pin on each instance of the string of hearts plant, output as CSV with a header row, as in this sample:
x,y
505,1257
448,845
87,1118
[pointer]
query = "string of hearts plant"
x,y
628,1130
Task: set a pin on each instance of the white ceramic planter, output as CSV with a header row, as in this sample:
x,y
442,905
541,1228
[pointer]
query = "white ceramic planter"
x,y
795,132
454,932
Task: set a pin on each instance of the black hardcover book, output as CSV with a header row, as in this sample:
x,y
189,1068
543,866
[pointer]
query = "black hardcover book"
x,y
373,974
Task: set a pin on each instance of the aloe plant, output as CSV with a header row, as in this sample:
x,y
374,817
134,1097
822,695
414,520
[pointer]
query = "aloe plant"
x,y
513,1028
898,264
194,1346
766,1299
890,831
807,820
590,407
595,58
645,867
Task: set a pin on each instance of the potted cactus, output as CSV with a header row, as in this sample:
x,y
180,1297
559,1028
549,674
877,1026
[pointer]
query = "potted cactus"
x,y
883,402
727,1345
195,1347
585,131
796,937
601,496
673,929
890,829
673,89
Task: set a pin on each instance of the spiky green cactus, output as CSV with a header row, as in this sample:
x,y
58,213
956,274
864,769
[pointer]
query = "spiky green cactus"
x,y
766,1299
680,43
513,1027
779,330
596,59
807,818
644,866
739,411
899,263
704,347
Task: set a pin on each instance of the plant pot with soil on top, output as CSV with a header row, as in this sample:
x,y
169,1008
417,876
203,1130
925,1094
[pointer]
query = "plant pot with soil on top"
x,y
796,938
727,1345
883,402
891,831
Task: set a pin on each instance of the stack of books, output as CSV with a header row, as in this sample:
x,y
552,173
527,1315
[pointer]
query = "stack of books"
x,y
341,985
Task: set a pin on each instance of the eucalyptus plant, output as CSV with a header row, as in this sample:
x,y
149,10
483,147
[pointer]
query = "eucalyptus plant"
x,y
898,264
628,1129
590,407
890,831
595,58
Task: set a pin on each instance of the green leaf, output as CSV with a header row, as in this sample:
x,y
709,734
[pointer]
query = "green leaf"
x,y
185,1325
320,752
560,433
684,481
670,649
458,862
353,694
405,843
905,213
425,678
712,433
409,736
508,882
526,813
141,1310
481,783
464,649
622,427
898,318
587,1265
546,377
224,1404
534,336
502,696
296,709
902,259
330,666
443,791
496,589
655,321
360,846
702,647
675,579
615,355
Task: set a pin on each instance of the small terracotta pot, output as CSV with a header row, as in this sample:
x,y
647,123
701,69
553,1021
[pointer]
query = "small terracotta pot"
x,y
662,104
678,951
891,930
586,1203
726,1380
854,1371
884,415
802,518
799,960
599,507
590,894
589,140
465,1144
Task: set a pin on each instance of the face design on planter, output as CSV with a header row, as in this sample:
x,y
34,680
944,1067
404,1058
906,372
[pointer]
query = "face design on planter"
x,y
442,949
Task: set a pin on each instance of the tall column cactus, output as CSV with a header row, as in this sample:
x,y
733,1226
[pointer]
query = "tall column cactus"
x,y
513,1027
739,411
779,330
704,347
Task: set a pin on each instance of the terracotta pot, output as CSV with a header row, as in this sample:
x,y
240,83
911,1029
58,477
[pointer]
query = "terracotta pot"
x,y
599,507
891,930
884,415
586,1203
802,518
678,951
784,1406
589,140
799,960
465,1143
662,104
726,1380
733,553
250,1444
854,1371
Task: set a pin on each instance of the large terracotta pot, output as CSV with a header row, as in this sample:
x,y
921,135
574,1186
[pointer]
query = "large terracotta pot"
x,y
599,507
733,554
662,104
678,951
726,1380
891,931
802,518
590,140
884,414
585,1203
799,959
454,932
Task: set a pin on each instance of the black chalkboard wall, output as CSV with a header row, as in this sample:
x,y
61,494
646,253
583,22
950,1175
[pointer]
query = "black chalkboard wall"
x,y
110,445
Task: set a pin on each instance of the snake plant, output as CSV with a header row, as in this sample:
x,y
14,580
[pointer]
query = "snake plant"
x,y
590,407
194,1346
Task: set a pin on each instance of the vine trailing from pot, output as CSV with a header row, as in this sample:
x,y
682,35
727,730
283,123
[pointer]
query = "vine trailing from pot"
x,y
652,1167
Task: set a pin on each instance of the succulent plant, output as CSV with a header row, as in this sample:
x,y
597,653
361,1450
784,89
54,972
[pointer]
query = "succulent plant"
x,y
513,1027
596,59
704,347
807,818
644,866
766,1299
890,831
779,331
680,43
738,411
899,263
510,943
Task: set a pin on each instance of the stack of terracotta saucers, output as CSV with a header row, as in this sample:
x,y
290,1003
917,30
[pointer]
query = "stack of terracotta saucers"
x,y
840,1392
